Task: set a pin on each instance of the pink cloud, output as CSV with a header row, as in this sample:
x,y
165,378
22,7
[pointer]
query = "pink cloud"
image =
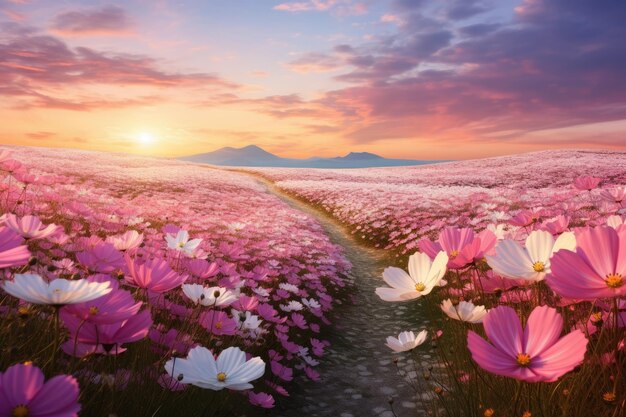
x,y
340,7
106,21
32,65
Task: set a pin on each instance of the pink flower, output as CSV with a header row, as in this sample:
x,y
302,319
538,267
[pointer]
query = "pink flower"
x,y
536,353
105,338
118,305
129,240
218,323
614,195
12,252
596,269
586,182
23,392
155,275
460,245
102,257
261,399
30,227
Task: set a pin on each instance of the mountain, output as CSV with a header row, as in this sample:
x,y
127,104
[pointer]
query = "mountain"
x,y
254,156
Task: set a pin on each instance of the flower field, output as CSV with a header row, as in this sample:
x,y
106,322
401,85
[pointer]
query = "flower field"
x,y
391,208
523,258
137,286
123,277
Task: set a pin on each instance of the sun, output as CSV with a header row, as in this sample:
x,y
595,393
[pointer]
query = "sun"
x,y
145,138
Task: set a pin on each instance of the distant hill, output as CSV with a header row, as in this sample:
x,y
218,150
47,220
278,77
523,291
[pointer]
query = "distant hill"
x,y
253,156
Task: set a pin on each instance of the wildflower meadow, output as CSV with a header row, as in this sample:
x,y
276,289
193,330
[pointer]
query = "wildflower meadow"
x,y
135,286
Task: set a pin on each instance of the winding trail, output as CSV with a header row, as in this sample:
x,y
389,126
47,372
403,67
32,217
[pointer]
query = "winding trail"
x,y
358,375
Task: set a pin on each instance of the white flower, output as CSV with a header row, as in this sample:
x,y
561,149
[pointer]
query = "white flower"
x,y
423,276
230,370
406,341
251,322
497,230
181,242
304,354
311,303
292,306
208,296
34,289
615,221
464,311
288,287
531,262
236,226
261,292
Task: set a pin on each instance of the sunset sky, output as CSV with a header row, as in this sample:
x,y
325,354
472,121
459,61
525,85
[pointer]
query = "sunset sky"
x,y
446,79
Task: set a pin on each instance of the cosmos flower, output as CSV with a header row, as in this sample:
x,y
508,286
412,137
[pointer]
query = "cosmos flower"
x,y
209,296
423,276
586,182
181,242
406,341
536,353
155,275
30,227
261,399
34,289
462,245
230,370
107,338
23,393
596,269
531,262
127,241
101,257
614,195
464,311
118,305
12,250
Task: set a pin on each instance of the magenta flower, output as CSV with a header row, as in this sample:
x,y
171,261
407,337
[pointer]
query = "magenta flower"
x,y
30,227
614,195
586,182
218,323
12,251
261,399
596,269
536,353
155,275
23,393
102,257
461,245
104,338
118,305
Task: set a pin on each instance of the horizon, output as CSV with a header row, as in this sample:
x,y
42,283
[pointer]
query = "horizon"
x,y
403,79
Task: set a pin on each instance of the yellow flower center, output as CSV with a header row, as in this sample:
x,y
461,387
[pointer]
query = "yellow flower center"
x,y
218,325
56,291
523,359
420,287
539,266
221,377
614,280
20,411
181,244
596,319
453,254
93,310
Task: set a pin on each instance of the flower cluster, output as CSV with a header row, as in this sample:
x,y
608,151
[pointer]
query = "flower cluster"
x,y
158,267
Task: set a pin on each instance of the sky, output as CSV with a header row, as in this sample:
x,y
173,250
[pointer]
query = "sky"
x,y
445,79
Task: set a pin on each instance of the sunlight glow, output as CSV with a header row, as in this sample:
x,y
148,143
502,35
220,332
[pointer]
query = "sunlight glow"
x,y
145,138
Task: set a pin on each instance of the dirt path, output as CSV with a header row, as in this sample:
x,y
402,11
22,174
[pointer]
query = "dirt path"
x,y
358,373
